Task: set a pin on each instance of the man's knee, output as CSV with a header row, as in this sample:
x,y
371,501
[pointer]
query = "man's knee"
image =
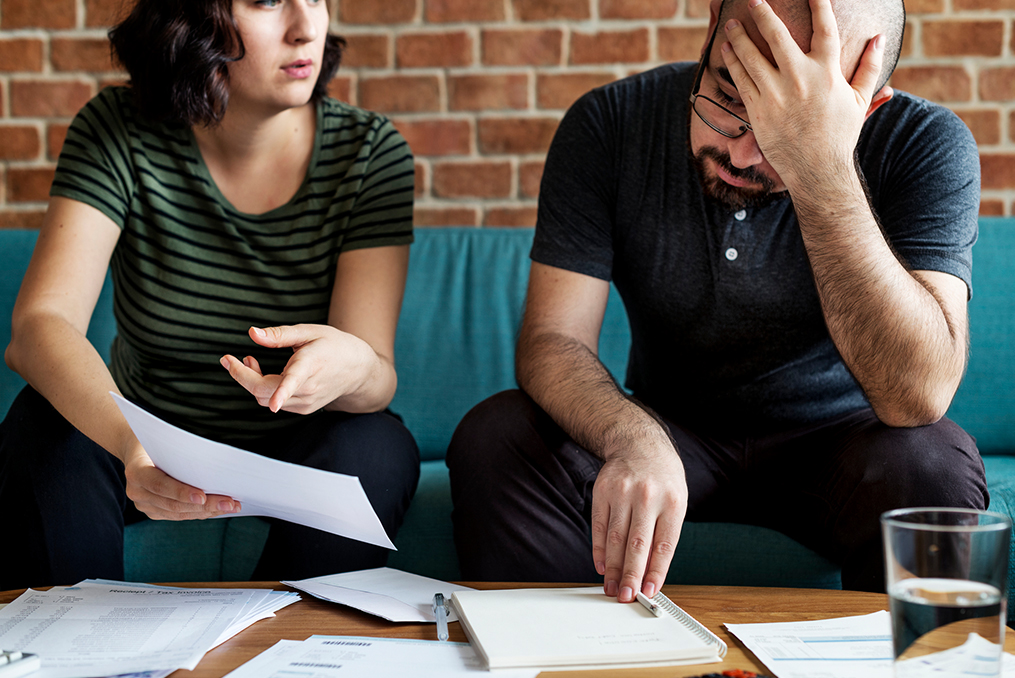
x,y
490,431
935,465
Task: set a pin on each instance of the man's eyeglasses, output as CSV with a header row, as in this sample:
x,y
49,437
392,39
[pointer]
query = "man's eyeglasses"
x,y
712,113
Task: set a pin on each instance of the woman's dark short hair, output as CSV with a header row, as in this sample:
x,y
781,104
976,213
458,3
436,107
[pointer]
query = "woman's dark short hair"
x,y
177,53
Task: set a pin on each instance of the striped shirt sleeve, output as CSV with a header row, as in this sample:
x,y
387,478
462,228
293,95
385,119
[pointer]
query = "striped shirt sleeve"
x,y
95,164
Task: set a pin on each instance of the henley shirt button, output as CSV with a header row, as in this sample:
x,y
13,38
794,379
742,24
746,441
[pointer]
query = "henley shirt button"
x,y
741,215
732,254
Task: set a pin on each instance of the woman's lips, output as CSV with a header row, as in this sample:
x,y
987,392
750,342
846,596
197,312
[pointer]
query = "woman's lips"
x,y
299,69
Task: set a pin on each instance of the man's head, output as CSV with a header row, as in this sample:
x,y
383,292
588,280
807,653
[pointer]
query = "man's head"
x,y
858,21
734,170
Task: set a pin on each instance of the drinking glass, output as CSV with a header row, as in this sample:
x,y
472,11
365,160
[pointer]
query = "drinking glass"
x,y
946,571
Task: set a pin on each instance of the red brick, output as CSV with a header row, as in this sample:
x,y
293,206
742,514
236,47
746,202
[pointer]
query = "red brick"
x,y
343,88
400,93
376,11
981,4
908,40
445,216
545,10
29,184
20,55
367,51
985,125
937,83
560,90
529,176
609,47
443,136
497,91
516,135
637,9
55,135
437,50
963,38
1011,126
523,216
925,6
113,82
38,13
997,84
19,142
448,11
81,54
105,12
19,219
472,179
697,9
991,208
48,98
527,47
997,170
420,176
681,43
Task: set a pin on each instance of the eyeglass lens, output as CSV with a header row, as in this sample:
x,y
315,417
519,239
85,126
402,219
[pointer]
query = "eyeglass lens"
x,y
718,117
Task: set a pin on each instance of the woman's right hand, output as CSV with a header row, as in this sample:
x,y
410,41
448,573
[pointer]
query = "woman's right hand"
x,y
162,497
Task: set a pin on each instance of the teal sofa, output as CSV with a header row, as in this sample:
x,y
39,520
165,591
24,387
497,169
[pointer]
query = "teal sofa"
x,y
456,336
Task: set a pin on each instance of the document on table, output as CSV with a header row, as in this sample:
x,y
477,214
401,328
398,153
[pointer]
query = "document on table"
x,y
332,502
846,647
385,592
105,629
357,657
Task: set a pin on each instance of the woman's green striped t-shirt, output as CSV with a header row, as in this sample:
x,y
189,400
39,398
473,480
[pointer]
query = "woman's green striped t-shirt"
x,y
191,274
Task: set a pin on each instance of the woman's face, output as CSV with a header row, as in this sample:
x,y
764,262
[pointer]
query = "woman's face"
x,y
284,43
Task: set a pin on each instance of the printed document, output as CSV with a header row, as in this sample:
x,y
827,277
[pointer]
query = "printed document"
x,y
331,502
846,647
105,629
357,657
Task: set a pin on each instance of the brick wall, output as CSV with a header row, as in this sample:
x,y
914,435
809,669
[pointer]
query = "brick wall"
x,y
478,86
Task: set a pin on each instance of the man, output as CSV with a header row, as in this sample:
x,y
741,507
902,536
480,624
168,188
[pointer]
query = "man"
x,y
791,239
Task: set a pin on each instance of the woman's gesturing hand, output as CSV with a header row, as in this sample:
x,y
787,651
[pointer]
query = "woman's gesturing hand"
x,y
326,365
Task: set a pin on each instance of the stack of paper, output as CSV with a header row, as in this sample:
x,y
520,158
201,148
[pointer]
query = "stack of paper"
x,y
103,628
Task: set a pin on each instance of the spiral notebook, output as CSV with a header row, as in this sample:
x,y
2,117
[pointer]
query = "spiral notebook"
x,y
580,628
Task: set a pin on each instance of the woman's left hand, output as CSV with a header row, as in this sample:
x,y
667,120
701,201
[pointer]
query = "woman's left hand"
x,y
327,364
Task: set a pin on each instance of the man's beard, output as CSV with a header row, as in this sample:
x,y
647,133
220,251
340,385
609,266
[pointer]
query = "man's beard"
x,y
733,197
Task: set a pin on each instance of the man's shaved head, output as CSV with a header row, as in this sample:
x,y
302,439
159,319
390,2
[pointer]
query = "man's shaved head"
x,y
858,22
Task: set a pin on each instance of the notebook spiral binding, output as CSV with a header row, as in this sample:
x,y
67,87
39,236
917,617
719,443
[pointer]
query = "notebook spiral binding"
x,y
690,622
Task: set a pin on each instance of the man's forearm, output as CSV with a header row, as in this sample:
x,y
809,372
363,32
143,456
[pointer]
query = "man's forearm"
x,y
893,333
569,382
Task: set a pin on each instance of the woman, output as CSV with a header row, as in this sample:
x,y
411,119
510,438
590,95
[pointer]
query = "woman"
x,y
243,213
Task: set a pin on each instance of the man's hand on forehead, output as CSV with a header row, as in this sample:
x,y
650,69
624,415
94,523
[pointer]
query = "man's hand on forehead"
x,y
806,117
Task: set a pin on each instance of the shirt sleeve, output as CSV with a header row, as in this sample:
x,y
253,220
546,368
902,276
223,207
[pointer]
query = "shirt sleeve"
x,y
95,163
382,213
577,197
923,172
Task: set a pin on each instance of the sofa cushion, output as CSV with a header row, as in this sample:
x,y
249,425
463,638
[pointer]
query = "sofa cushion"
x,y
985,403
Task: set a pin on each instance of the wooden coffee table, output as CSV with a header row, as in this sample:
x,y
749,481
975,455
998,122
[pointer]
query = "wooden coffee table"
x,y
713,606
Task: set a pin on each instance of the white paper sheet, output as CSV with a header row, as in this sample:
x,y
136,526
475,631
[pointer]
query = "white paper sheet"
x,y
846,647
97,630
332,502
357,657
385,592
262,604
